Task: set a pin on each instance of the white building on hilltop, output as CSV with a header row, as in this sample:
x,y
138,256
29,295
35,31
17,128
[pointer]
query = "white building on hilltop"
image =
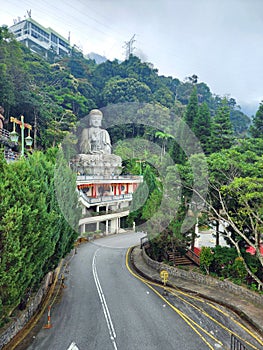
x,y
41,40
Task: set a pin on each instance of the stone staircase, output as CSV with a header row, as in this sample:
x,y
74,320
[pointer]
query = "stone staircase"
x,y
178,259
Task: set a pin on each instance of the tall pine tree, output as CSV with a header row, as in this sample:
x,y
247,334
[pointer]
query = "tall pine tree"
x,y
202,126
192,108
221,129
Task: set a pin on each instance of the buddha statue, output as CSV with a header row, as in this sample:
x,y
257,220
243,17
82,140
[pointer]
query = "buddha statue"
x,y
95,140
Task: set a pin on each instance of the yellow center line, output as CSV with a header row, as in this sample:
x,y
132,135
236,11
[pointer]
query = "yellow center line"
x,y
185,317
219,310
180,313
149,284
219,323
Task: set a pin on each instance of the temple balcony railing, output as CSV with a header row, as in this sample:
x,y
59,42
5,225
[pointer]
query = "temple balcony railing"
x,y
103,212
81,178
106,199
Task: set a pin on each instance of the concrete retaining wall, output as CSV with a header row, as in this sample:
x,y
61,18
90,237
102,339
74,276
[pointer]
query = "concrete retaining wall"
x,y
203,279
32,307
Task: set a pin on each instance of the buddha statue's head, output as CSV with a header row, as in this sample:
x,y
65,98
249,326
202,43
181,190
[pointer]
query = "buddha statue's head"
x,y
95,117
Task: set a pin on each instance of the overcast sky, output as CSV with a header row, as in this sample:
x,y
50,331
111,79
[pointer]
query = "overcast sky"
x,y
218,40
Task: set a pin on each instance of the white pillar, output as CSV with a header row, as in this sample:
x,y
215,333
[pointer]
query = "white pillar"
x,y
82,229
118,225
114,225
107,227
196,233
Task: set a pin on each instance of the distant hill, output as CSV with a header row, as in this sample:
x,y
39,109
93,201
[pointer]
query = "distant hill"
x,y
249,109
95,56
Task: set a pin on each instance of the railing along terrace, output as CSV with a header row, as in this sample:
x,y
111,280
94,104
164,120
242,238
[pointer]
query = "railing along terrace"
x,y
103,199
4,133
101,177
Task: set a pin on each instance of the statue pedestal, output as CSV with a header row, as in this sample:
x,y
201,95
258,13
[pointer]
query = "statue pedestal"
x,y
98,164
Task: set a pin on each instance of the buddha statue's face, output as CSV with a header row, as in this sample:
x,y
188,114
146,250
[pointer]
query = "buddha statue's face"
x,y
95,120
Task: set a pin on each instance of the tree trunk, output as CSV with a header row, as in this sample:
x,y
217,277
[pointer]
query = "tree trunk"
x,y
35,130
217,232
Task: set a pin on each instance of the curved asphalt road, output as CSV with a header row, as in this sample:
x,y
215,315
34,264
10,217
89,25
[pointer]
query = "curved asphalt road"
x,y
105,307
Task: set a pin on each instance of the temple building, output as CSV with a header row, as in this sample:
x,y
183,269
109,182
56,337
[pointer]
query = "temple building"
x,y
104,194
105,201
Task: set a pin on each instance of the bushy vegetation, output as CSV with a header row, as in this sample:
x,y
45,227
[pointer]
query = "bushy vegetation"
x,y
224,262
34,234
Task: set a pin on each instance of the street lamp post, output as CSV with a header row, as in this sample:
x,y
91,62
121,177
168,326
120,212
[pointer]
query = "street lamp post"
x,y
14,135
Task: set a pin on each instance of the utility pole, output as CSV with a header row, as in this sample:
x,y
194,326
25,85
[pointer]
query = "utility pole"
x,y
129,48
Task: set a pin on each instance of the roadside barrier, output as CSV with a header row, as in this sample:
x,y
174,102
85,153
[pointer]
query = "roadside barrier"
x,y
48,325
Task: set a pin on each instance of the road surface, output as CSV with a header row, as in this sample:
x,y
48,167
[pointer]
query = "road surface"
x,y
106,307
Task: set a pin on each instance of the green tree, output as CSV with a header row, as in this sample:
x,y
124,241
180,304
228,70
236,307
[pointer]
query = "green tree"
x,y
206,259
256,128
164,96
221,129
125,90
141,71
192,109
202,126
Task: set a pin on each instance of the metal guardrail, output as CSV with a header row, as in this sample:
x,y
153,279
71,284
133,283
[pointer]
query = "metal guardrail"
x,y
145,242
236,344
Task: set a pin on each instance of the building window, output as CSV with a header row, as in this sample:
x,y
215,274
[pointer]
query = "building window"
x,y
40,31
54,38
63,43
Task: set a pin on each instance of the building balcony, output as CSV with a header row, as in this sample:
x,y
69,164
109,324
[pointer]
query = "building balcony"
x,y
98,179
105,199
102,218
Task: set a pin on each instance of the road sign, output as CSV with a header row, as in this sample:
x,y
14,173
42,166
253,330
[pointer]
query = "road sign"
x,y
164,276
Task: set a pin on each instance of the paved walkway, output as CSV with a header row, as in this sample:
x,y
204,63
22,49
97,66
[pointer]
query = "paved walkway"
x,y
248,310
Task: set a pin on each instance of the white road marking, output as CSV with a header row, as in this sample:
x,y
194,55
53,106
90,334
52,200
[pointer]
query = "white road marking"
x,y
73,346
103,303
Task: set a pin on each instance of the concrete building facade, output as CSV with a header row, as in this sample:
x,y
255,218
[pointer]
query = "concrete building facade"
x,y
41,40
105,201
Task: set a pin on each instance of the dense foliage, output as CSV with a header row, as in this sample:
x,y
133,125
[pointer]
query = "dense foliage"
x,y
224,262
34,234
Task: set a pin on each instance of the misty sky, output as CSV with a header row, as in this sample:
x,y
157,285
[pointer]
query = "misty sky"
x,y
218,40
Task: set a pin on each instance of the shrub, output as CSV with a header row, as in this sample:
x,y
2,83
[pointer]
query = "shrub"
x,y
206,259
